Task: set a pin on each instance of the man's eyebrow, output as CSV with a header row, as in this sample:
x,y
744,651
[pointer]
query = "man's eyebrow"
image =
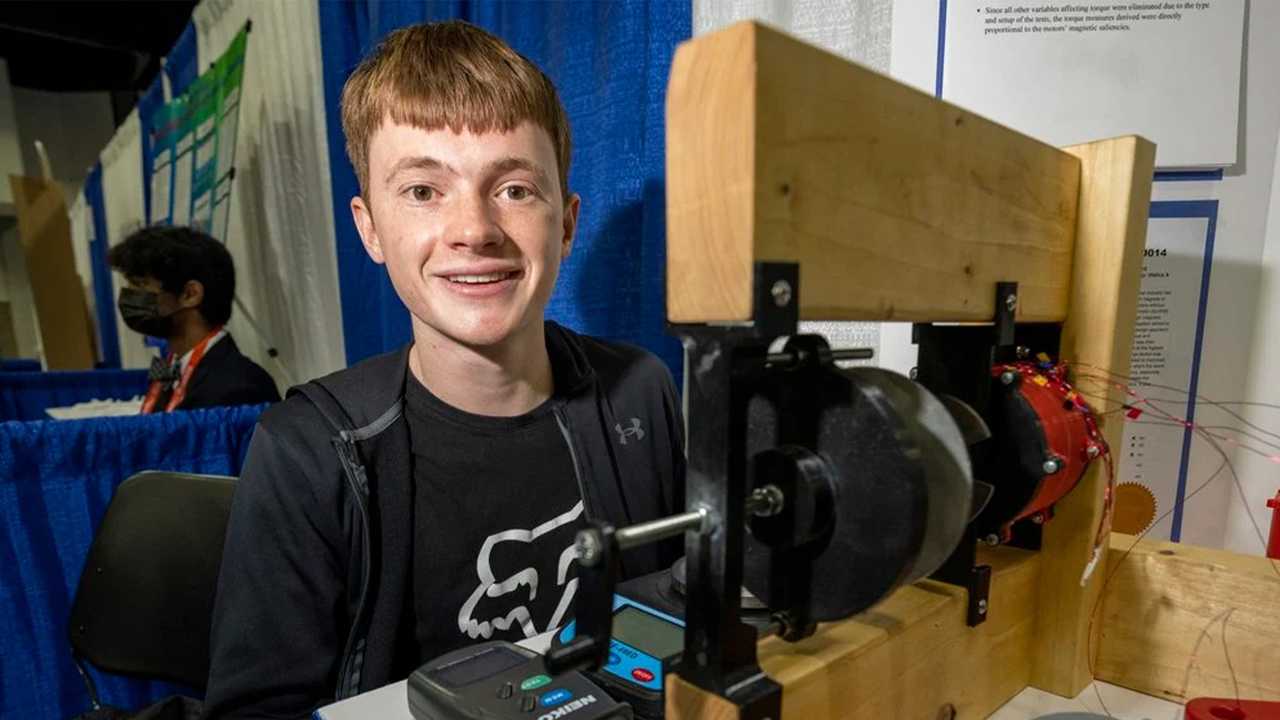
x,y
417,162
512,162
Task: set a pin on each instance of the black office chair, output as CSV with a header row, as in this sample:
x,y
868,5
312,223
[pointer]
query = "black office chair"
x,y
145,600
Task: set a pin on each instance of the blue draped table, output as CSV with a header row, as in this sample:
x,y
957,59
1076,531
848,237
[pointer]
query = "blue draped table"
x,y
56,479
26,395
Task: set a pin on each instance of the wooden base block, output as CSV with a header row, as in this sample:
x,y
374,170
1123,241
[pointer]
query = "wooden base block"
x,y
909,657
1180,622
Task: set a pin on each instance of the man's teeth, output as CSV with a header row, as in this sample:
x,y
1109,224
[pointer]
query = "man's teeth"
x,y
475,279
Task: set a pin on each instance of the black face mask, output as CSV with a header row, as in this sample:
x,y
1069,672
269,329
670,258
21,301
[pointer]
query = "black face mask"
x,y
140,310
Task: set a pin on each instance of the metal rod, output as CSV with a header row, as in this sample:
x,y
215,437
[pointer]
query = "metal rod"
x,y
789,358
660,529
763,501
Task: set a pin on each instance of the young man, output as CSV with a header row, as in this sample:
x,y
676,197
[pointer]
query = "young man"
x,y
180,286
445,514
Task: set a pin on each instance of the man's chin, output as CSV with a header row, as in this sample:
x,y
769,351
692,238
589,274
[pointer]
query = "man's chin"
x,y
482,335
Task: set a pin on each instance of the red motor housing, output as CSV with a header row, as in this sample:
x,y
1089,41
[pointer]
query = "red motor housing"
x,y
1044,436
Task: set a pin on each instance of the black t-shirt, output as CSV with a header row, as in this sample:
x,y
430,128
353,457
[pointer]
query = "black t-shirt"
x,y
496,507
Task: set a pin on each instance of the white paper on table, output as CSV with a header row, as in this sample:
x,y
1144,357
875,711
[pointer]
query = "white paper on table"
x,y
96,408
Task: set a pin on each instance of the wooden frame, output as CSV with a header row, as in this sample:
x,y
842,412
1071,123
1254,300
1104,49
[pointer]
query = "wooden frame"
x,y
898,206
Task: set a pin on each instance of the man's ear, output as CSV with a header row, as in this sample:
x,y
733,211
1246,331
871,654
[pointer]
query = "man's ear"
x,y
363,217
192,294
570,224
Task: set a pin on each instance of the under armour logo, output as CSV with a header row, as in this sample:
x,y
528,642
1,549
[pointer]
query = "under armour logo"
x,y
635,431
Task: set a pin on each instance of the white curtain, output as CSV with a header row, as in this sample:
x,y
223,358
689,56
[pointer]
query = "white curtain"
x,y
859,30
123,206
81,218
281,225
855,29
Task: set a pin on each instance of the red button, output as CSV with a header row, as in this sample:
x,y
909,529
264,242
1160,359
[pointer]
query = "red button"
x,y
642,675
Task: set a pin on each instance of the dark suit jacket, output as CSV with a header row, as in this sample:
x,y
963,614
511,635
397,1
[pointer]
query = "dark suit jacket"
x,y
226,377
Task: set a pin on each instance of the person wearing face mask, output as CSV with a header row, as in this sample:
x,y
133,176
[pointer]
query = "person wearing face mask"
x,y
180,287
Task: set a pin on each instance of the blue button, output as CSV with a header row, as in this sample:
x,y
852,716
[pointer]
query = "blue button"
x,y
614,659
556,697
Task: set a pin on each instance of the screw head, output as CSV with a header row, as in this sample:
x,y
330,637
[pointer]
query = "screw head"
x,y
1093,451
992,539
1023,352
914,373
1051,465
1008,377
1011,302
588,547
1037,519
781,292
982,607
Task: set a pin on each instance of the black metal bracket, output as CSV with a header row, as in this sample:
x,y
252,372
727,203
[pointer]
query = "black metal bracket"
x,y
720,650
957,361
598,567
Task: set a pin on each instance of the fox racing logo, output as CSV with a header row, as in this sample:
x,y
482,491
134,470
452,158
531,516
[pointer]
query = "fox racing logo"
x,y
490,586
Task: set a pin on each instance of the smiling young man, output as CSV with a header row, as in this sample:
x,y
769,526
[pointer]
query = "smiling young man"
x,y
428,499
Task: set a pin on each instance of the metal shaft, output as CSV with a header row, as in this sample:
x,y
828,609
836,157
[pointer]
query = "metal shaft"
x,y
650,532
763,501
790,358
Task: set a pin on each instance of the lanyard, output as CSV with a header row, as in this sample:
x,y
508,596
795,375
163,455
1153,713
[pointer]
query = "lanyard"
x,y
179,392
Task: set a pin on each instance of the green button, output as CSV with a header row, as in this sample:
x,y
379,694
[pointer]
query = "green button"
x,y
535,682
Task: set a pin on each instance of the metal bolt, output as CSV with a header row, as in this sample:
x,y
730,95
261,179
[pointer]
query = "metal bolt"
x,y
766,501
1008,376
1022,352
1037,519
982,607
914,373
1093,451
1051,466
1011,302
588,546
781,292
992,539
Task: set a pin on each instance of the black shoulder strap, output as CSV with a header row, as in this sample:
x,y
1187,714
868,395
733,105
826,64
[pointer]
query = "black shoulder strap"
x,y
328,405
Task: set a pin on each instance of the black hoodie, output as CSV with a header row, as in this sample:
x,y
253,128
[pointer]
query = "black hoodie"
x,y
313,596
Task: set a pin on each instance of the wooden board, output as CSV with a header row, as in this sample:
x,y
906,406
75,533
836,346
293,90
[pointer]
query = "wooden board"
x,y
908,657
66,335
1164,612
897,206
1115,193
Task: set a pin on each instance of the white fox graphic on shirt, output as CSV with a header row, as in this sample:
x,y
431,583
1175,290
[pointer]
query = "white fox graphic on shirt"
x,y
491,587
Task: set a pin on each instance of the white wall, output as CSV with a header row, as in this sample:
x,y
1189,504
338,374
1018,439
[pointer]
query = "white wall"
x,y
1260,476
74,127
14,286
10,149
1240,324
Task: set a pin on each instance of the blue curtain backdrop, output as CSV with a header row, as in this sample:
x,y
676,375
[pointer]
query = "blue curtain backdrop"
x,y
26,395
103,298
181,64
149,104
56,478
610,62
